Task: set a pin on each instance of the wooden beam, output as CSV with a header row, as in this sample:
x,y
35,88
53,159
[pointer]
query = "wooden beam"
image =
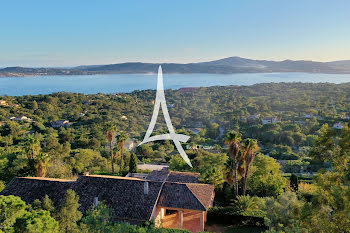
x,y
169,208
181,218
202,221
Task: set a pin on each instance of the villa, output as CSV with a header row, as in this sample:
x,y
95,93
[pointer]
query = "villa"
x,y
60,123
130,145
270,120
194,130
21,118
170,199
338,125
4,103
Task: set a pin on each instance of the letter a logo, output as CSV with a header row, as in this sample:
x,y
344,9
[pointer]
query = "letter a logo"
x,y
160,102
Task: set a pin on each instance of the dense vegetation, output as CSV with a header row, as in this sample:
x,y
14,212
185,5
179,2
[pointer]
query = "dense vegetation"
x,y
291,175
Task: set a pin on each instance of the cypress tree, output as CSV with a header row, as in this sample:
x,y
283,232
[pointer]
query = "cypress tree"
x,y
294,184
133,163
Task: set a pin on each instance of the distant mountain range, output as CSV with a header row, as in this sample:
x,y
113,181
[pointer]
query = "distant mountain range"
x,y
228,65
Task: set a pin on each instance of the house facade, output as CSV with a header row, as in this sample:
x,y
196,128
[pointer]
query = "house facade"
x,y
171,199
338,125
270,120
60,123
3,103
130,145
21,118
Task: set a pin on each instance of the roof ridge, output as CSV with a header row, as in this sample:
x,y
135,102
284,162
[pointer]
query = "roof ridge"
x,y
160,191
47,179
114,177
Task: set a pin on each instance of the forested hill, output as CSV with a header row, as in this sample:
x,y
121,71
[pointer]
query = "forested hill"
x,y
223,66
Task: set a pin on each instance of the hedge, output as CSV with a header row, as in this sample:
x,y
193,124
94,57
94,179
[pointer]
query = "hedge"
x,y
228,215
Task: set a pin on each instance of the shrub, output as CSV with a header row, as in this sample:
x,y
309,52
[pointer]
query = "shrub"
x,y
229,215
244,204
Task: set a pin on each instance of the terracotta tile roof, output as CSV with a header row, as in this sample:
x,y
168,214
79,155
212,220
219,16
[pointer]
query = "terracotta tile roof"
x,y
48,179
125,195
158,175
186,196
30,189
203,192
171,176
183,177
115,177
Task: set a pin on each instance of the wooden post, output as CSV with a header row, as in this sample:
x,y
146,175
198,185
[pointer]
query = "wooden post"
x,y
202,220
162,213
181,218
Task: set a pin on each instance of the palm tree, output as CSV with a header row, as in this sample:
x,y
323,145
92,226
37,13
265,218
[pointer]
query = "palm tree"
x,y
233,139
32,146
32,149
229,172
42,161
250,146
246,203
121,138
110,133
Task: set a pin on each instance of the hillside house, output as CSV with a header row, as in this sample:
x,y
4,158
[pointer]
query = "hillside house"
x,y
21,118
151,166
4,103
270,120
130,145
338,125
60,123
170,199
194,130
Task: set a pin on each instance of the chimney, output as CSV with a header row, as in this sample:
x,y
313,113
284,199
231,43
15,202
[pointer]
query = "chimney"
x,y
95,202
145,188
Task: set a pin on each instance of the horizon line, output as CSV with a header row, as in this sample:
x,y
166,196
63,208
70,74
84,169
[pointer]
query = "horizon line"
x,y
184,63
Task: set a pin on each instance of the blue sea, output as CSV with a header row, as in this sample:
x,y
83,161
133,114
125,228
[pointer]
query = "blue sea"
x,y
114,83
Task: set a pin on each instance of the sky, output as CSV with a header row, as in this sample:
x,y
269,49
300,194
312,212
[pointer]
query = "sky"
x,y
62,33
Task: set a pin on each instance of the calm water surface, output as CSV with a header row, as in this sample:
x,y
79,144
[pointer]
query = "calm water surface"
x,y
113,83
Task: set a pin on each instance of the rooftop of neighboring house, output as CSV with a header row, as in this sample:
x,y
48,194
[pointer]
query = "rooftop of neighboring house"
x,y
172,176
194,130
270,118
151,166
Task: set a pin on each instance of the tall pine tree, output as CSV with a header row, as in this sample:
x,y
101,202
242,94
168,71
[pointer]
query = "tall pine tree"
x,y
68,214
